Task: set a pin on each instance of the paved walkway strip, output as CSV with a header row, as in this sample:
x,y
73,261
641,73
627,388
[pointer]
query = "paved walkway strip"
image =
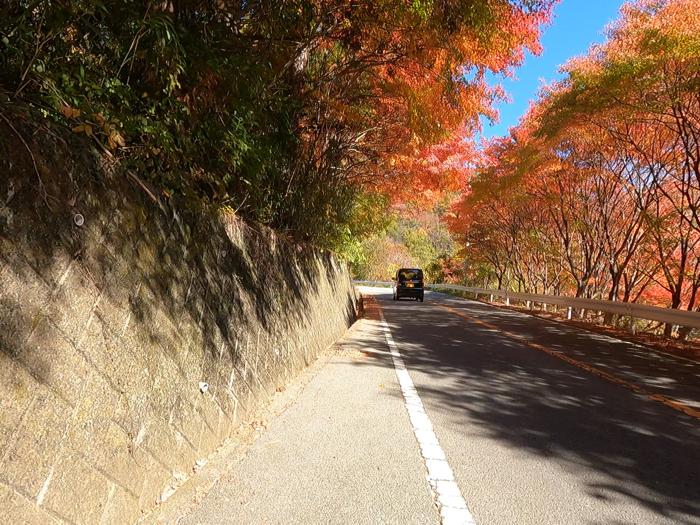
x,y
448,498
338,448
671,403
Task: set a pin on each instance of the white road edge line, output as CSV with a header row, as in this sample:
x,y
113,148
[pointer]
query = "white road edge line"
x,y
448,498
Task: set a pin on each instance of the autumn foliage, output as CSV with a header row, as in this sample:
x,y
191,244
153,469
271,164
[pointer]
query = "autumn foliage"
x,y
597,192
286,112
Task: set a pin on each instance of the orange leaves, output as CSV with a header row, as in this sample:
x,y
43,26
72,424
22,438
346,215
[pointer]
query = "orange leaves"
x,y
596,191
69,112
115,140
422,65
425,174
82,128
96,127
453,115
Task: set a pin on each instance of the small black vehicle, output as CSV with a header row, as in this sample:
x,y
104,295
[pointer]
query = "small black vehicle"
x,y
408,283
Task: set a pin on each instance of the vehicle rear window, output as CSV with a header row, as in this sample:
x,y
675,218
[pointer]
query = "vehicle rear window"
x,y
409,275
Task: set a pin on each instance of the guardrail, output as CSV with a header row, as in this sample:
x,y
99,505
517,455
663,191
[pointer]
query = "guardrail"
x,y
639,311
382,284
636,310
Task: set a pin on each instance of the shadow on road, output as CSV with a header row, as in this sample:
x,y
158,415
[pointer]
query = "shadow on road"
x,y
637,448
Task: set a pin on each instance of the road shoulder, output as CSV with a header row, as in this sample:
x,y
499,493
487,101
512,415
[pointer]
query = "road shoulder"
x,y
338,448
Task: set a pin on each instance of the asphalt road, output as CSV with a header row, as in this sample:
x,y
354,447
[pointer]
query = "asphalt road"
x,y
539,422
532,438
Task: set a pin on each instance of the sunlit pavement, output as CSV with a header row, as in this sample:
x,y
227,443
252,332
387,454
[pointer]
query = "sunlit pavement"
x,y
534,439
343,452
529,437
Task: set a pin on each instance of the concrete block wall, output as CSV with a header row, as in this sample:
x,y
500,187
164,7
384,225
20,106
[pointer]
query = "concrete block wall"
x,y
108,328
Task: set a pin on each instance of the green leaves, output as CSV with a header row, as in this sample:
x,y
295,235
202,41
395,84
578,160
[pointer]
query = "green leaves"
x,y
289,113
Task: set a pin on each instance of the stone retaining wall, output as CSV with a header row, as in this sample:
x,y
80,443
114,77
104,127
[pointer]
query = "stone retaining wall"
x,y
115,309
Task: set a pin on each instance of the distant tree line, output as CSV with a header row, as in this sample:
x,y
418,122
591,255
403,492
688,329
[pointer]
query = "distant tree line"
x,y
597,192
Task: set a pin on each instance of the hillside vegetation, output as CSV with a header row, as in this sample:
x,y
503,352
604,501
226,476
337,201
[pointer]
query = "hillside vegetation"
x,y
597,192
311,116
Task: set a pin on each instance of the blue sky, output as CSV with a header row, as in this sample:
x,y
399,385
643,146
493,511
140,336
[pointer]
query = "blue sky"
x,y
575,26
